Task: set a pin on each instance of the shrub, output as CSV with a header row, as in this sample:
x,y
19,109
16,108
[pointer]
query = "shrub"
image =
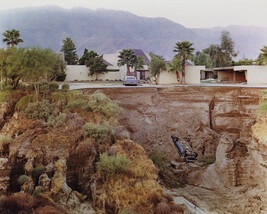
x,y
56,121
39,110
99,133
128,212
76,104
4,96
205,160
38,171
112,165
22,179
36,192
30,87
158,158
44,86
65,87
23,102
53,86
99,102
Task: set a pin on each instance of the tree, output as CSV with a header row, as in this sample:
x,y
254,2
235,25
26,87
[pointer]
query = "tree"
x,y
184,50
137,63
227,46
69,51
96,65
87,56
156,65
126,57
216,55
202,58
12,37
176,66
262,58
244,62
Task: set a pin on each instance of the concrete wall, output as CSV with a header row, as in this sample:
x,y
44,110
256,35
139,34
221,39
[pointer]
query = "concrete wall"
x,y
255,74
80,73
192,76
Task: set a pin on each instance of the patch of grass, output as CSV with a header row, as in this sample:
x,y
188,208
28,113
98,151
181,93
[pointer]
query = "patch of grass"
x,y
75,105
159,159
24,102
4,95
262,109
99,133
53,86
205,160
22,179
112,165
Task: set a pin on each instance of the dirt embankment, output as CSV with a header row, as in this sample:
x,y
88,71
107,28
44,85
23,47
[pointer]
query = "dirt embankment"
x,y
198,114
217,122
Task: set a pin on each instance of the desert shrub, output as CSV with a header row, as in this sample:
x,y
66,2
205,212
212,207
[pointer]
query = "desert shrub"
x,y
56,121
38,171
7,86
112,165
158,158
22,179
23,102
128,212
53,86
99,102
30,87
75,104
205,160
262,109
44,86
39,110
65,87
99,133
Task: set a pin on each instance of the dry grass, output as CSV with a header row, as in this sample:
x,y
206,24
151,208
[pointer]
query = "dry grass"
x,y
137,189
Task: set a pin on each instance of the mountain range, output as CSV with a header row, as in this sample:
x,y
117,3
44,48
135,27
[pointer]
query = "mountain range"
x,y
106,31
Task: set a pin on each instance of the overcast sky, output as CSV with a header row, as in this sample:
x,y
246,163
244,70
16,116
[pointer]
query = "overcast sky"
x,y
190,13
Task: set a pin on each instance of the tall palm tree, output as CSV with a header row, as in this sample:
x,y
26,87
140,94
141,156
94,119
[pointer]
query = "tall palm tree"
x,y
12,37
137,63
126,57
175,66
184,50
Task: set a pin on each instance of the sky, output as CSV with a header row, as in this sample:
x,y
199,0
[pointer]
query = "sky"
x,y
190,13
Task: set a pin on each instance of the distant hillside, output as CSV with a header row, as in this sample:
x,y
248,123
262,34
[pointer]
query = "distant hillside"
x,y
106,31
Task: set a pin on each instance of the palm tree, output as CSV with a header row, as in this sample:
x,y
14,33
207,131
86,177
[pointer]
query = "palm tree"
x,y
184,50
138,63
12,37
126,57
176,65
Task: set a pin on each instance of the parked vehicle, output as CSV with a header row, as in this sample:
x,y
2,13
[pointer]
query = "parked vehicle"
x,y
130,80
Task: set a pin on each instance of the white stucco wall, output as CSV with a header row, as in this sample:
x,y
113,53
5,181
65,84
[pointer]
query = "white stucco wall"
x,y
80,73
192,76
255,74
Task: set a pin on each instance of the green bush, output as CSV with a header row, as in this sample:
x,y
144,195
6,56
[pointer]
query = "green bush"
x,y
158,158
38,171
99,102
22,179
65,87
39,110
56,121
4,96
205,160
112,165
75,104
99,133
23,102
53,86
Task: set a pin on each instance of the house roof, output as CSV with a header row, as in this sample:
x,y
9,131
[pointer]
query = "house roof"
x,y
139,52
106,62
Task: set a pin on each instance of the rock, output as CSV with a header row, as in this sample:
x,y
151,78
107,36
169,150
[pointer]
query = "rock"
x,y
44,182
